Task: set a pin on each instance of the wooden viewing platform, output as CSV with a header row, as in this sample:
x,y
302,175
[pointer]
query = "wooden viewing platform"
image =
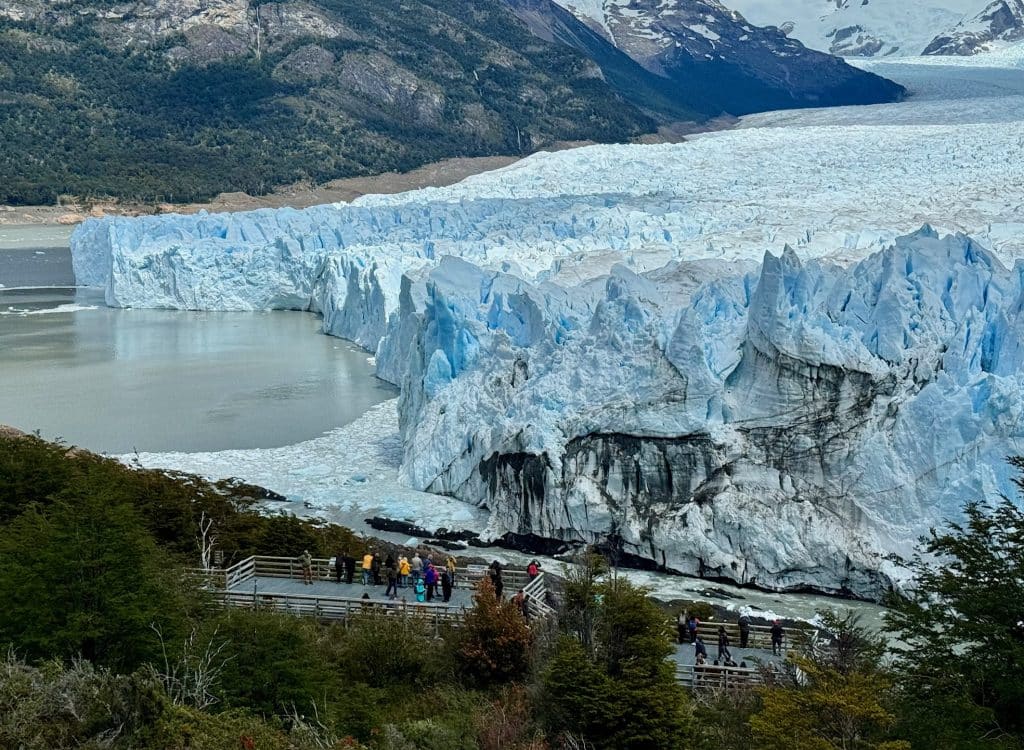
x,y
275,583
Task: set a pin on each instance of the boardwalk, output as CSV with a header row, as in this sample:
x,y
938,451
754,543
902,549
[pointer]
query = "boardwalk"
x,y
275,583
328,589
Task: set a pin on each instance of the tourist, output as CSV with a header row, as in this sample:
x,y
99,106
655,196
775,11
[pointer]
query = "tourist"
x,y
533,569
692,627
450,565
350,569
683,626
306,561
744,631
375,569
417,567
339,566
699,649
526,606
392,590
419,589
496,581
518,600
430,576
447,579
723,644
367,567
403,571
776,638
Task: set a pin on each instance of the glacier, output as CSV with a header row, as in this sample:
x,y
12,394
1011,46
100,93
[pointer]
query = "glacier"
x,y
741,357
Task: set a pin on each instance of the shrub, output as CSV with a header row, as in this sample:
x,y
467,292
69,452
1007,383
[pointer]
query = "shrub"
x,y
493,644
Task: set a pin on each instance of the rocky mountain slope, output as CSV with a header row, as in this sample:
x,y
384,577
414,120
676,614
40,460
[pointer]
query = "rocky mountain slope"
x,y
878,28
1002,21
180,100
721,63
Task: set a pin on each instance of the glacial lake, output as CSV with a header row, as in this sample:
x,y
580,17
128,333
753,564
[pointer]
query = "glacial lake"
x,y
116,381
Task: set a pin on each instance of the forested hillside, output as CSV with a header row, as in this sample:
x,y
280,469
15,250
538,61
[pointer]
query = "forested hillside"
x,y
177,101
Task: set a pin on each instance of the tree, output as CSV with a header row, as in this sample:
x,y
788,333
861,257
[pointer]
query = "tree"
x,y
837,696
493,644
960,638
84,578
620,691
271,663
829,711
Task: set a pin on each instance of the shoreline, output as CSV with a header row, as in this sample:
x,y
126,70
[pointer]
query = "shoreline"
x,y
303,195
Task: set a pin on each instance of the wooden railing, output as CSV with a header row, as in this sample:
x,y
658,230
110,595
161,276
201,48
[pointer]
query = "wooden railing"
x,y
266,566
709,677
536,591
759,636
342,608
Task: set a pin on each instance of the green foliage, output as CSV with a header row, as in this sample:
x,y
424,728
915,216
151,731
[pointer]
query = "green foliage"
x,y
90,116
493,643
838,697
830,710
80,705
620,691
183,727
382,651
83,578
960,662
701,610
272,662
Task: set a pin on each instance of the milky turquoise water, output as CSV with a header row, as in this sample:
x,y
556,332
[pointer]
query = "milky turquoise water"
x,y
119,380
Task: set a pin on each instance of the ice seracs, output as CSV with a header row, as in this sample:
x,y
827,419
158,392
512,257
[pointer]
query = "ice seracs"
x,y
615,341
786,427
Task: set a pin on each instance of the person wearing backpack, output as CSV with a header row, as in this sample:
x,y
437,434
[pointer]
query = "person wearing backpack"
x,y
692,626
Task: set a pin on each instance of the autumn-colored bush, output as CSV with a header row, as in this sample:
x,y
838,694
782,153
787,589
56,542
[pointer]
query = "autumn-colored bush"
x,y
493,644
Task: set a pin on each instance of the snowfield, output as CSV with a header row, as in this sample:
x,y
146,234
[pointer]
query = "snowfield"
x,y
587,342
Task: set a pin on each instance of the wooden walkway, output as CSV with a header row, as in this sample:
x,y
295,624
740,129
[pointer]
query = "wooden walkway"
x,y
263,582
328,589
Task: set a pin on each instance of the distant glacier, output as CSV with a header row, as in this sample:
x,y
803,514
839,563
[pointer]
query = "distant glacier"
x,y
738,362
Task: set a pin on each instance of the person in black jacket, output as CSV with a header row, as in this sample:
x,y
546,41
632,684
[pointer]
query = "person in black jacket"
x,y
350,568
496,581
744,631
446,585
776,638
723,644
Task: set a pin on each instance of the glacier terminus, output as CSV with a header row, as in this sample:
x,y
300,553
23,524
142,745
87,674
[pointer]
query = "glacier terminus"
x,y
774,354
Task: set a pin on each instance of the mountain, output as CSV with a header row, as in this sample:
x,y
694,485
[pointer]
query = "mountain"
x,y
662,97
180,99
878,28
721,63
1002,21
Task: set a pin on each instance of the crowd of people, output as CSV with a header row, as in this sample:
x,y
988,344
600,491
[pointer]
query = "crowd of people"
x,y
427,580
687,625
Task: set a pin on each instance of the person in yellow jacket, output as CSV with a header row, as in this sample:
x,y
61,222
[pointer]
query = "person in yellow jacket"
x,y
404,569
449,564
367,568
